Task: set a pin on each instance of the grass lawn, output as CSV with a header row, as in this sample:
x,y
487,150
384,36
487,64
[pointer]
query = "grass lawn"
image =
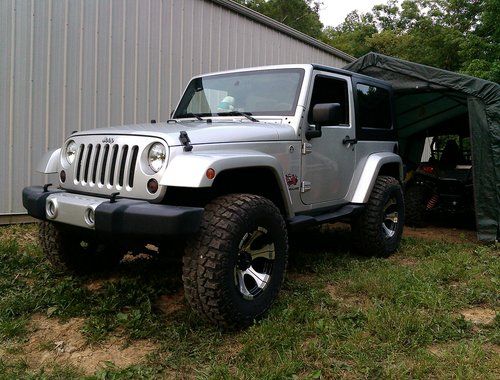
x,y
431,310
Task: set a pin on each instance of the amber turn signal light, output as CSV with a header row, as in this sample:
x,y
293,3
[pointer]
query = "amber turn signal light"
x,y
210,173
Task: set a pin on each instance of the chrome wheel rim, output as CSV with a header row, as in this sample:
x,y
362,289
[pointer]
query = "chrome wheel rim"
x,y
254,266
391,218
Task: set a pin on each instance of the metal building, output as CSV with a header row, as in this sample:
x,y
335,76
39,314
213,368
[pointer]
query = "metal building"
x,y
69,65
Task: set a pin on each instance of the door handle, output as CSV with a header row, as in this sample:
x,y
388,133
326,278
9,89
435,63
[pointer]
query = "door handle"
x,y
348,140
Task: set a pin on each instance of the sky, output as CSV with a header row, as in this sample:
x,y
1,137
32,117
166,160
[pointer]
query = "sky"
x,y
333,12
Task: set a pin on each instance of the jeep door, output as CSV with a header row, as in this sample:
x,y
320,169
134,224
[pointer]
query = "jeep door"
x,y
327,162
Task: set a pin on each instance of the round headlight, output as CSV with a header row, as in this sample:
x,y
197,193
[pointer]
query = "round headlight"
x,y
156,156
70,152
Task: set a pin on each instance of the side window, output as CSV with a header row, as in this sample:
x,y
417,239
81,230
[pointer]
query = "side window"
x,y
330,90
374,107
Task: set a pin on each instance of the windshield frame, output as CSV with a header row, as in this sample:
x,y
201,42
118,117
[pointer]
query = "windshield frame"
x,y
186,98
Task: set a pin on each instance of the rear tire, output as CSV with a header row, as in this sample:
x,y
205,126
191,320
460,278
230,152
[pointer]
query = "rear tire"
x,y
415,202
70,251
377,230
235,266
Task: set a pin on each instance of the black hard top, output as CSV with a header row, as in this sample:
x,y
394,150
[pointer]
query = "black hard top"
x,y
359,77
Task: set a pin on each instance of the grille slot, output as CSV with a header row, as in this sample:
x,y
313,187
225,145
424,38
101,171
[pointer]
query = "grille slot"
x,y
87,163
106,165
96,160
81,150
135,151
113,165
104,162
122,164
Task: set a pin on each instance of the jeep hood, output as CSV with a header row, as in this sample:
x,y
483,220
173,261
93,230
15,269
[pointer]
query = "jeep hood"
x,y
202,132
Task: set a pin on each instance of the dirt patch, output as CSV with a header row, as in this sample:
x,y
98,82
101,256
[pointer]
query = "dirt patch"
x,y
451,235
97,283
63,343
478,315
231,349
440,349
169,304
495,348
404,261
300,277
359,301
24,234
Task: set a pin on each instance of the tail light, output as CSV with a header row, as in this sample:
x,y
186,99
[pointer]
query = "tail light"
x,y
427,169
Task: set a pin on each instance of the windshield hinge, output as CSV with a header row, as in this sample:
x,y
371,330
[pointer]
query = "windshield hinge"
x,y
305,186
307,148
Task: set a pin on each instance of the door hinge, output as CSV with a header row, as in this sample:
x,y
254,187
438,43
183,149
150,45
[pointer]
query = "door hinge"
x,y
305,186
307,148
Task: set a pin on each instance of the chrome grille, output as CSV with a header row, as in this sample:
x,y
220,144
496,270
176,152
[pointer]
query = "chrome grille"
x,y
106,165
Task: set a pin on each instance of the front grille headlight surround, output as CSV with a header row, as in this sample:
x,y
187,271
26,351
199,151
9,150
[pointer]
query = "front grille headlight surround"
x,y
70,150
157,156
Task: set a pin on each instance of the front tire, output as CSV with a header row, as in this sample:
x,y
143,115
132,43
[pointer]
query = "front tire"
x,y
69,250
377,231
235,266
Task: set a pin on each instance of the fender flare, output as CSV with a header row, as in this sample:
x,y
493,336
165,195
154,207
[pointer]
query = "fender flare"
x,y
49,162
370,173
189,170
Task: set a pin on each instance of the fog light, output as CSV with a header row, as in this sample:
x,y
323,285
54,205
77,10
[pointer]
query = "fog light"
x,y
62,175
90,217
51,209
152,185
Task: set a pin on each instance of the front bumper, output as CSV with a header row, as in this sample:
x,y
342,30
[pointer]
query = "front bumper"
x,y
133,218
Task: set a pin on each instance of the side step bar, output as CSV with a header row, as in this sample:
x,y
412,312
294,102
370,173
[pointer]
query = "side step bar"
x,y
301,221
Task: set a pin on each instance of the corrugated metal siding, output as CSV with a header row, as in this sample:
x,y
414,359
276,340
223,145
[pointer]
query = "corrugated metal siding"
x,y
69,65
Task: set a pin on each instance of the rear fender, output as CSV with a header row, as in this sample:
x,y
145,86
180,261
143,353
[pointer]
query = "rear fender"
x,y
371,170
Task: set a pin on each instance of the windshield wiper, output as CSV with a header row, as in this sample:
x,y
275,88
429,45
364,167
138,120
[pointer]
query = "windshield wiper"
x,y
248,115
190,114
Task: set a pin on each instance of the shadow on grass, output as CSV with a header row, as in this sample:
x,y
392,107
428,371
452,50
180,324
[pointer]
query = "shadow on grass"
x,y
321,247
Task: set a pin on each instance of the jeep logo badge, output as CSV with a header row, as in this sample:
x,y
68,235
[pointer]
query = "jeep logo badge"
x,y
108,140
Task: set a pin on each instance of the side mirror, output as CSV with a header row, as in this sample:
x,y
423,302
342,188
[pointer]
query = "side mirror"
x,y
323,114
326,114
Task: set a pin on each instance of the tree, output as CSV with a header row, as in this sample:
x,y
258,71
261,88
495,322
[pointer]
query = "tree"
x,y
457,35
352,34
301,15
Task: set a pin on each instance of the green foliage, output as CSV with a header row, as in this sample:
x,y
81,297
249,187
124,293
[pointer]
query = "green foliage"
x,y
301,15
456,35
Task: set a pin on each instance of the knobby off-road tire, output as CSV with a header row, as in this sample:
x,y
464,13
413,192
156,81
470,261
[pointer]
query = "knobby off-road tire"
x,y
416,198
234,267
68,251
377,230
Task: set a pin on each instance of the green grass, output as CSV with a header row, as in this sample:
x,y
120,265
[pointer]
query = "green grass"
x,y
338,315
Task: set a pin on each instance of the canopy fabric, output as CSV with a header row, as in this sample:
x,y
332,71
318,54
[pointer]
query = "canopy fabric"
x,y
430,100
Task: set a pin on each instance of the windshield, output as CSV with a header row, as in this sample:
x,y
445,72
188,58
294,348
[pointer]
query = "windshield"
x,y
262,92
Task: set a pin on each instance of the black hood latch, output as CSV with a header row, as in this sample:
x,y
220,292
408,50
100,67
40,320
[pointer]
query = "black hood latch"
x,y
184,139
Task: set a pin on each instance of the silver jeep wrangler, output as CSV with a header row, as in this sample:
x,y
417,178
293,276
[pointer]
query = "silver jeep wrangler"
x,y
248,157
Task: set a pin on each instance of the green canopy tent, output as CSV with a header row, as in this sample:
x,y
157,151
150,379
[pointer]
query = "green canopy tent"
x,y
430,101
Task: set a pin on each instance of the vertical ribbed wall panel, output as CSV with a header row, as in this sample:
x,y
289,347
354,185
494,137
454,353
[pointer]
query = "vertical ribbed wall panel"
x,y
69,65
